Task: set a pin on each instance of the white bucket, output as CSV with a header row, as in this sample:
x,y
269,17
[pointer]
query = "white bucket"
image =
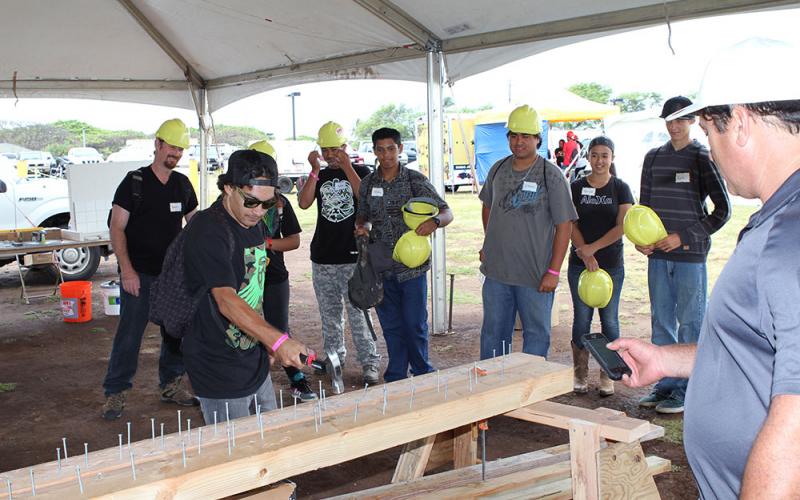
x,y
110,291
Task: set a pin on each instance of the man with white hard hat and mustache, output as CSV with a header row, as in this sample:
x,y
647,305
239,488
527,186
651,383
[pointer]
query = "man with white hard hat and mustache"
x,y
741,425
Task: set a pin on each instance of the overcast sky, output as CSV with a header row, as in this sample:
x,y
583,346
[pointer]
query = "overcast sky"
x,y
634,61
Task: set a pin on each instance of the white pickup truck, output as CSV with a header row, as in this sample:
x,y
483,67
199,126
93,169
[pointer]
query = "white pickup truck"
x,y
44,202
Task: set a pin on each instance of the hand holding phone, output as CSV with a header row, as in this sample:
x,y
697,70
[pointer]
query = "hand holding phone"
x,y
610,361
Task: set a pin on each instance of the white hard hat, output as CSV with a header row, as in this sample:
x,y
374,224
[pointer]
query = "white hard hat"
x,y
755,70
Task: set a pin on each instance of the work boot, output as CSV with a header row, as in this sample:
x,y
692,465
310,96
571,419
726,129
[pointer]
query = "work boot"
x,y
606,385
371,375
174,392
580,364
115,403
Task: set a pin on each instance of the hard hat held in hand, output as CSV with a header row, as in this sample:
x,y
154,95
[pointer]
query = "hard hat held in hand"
x,y
331,135
418,210
524,120
174,133
643,226
412,250
595,288
264,147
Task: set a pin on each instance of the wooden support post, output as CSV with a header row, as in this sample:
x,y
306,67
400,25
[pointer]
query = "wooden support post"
x,y
413,460
584,444
442,453
465,446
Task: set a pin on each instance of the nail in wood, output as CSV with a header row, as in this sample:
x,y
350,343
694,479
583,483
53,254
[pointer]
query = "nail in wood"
x,y
10,492
33,484
494,353
64,442
199,440
261,426
227,414
411,401
120,445
255,401
129,435
180,433
133,466
366,386
228,432
80,480
153,429
324,399
281,393
215,423
445,390
316,423
162,435
233,433
189,429
183,453
295,407
504,348
86,454
355,414
58,454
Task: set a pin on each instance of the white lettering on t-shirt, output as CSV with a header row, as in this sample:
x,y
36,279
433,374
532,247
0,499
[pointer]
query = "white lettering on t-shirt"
x,y
597,200
682,177
337,200
176,207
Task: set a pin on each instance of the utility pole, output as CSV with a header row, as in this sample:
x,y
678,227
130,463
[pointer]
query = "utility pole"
x,y
294,130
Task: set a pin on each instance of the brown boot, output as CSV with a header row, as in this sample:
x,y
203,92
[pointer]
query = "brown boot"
x,y
580,364
606,385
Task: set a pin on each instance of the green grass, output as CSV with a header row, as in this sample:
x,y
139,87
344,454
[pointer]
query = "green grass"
x,y
673,429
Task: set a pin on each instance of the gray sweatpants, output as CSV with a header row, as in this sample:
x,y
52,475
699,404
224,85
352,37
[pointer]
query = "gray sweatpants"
x,y
330,286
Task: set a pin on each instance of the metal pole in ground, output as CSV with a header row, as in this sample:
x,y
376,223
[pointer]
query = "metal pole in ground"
x,y
450,316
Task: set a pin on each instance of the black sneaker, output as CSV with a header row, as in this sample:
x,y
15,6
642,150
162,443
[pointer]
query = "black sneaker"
x,y
302,390
174,392
115,403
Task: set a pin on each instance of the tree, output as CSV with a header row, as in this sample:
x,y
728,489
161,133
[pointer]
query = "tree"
x,y
399,117
631,102
592,91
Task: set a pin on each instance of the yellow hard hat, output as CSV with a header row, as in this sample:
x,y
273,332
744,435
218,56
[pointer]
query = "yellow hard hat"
x,y
412,250
331,135
418,210
524,120
595,288
643,226
174,133
264,147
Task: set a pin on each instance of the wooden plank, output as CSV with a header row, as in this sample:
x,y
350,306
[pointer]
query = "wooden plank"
x,y
284,490
584,444
614,427
413,459
624,473
465,446
442,453
293,445
432,485
658,465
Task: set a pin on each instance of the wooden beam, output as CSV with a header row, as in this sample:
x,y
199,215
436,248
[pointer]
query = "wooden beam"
x,y
294,445
615,427
400,21
465,446
284,490
624,473
413,459
584,444
442,453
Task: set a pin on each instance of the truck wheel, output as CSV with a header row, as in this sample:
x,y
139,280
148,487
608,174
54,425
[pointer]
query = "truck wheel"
x,y
300,182
77,264
285,184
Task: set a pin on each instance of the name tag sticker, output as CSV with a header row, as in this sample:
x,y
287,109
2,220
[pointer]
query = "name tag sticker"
x,y
529,186
376,191
588,191
682,177
175,207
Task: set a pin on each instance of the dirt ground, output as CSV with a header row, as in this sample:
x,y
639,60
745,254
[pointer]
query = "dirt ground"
x,y
58,369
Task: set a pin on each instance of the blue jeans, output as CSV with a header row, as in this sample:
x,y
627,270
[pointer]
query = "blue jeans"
x,y
404,320
677,308
134,313
582,314
501,302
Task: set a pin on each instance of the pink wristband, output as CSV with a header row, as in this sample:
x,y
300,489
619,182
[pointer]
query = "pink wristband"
x,y
553,272
314,175
279,342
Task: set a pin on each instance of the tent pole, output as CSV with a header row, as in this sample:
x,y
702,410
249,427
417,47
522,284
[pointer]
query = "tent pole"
x,y
201,120
435,159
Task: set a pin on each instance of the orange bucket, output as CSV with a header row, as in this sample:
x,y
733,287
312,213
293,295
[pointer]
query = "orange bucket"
x,y
76,301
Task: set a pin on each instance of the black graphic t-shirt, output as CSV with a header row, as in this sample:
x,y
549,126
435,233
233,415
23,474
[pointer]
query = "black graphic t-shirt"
x,y
333,241
221,360
280,222
597,214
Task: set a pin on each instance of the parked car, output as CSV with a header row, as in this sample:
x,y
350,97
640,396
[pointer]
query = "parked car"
x,y
132,154
355,158
11,156
212,156
40,162
410,149
365,151
84,155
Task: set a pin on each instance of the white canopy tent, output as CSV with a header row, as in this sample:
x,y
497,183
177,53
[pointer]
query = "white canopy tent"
x,y
205,54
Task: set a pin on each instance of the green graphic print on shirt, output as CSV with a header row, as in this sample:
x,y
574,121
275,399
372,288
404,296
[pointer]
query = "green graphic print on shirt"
x,y
252,292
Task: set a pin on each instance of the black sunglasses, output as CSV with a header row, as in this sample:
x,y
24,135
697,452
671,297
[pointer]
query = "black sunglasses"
x,y
252,202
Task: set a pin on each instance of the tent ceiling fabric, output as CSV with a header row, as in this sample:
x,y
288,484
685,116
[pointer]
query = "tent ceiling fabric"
x,y
236,48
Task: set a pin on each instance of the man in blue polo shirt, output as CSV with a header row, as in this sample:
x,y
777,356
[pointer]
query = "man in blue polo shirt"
x,y
741,428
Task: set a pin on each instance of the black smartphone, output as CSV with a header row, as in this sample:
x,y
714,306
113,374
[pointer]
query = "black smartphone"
x,y
610,361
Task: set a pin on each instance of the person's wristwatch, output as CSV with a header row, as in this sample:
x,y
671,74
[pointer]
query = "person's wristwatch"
x,y
436,221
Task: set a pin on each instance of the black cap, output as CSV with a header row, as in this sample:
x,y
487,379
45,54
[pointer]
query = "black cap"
x,y
677,103
248,167
602,140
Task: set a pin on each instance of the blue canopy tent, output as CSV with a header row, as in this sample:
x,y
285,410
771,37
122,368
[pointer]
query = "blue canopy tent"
x,y
491,145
